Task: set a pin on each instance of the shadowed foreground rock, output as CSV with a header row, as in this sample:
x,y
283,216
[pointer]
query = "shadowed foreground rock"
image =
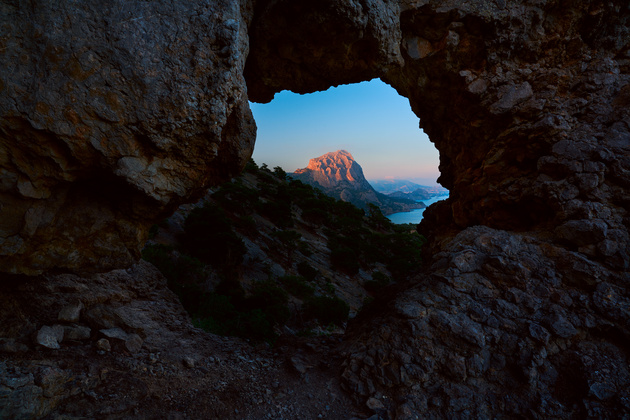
x,y
110,119
497,328
111,115
140,357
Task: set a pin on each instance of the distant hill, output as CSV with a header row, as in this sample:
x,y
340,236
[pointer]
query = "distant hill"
x,y
388,186
398,188
338,175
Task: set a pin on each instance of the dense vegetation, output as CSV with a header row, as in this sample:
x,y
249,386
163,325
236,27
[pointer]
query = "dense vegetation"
x,y
212,247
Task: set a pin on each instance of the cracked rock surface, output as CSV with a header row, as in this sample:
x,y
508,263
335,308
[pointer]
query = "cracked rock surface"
x,y
111,115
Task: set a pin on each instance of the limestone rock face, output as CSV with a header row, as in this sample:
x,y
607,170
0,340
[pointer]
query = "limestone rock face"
x,y
112,114
333,168
341,177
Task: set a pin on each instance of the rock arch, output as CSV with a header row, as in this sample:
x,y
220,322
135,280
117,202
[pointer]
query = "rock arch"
x,y
526,103
113,114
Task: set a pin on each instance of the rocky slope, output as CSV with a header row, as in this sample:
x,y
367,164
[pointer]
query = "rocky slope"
x,y
127,350
113,113
287,235
341,177
120,345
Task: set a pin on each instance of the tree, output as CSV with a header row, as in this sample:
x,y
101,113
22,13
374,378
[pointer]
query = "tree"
x,y
280,173
289,240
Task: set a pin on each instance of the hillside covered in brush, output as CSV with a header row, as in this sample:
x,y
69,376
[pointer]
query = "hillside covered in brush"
x,y
264,255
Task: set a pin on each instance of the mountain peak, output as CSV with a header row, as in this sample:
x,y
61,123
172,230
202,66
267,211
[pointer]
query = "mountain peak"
x,y
334,168
340,176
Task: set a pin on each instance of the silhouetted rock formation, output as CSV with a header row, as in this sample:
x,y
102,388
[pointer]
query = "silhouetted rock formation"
x,y
341,177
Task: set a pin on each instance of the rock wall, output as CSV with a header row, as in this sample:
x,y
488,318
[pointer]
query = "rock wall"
x,y
525,303
112,114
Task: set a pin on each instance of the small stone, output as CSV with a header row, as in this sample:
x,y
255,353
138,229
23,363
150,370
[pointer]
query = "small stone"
x,y
117,333
76,333
299,364
189,362
602,391
563,328
374,404
103,344
70,313
133,343
539,332
411,310
50,337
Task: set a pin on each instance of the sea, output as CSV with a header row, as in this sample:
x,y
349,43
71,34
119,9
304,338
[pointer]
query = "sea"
x,y
414,216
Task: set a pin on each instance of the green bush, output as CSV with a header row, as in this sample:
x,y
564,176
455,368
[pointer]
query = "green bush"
x,y
278,212
271,299
376,218
236,197
247,224
327,310
305,248
280,173
228,312
315,216
251,166
183,273
208,235
153,231
297,286
345,259
379,280
307,271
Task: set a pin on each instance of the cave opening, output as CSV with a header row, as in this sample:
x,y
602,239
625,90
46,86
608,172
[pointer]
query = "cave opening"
x,y
371,121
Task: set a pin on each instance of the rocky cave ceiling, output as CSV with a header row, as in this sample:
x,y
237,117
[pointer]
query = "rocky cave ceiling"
x,y
113,114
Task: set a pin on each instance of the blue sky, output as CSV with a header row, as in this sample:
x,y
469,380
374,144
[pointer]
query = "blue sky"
x,y
369,119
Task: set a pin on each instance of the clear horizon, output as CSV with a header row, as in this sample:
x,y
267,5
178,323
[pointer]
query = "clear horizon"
x,y
369,120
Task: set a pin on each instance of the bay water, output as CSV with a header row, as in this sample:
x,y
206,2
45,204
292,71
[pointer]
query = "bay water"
x,y
414,216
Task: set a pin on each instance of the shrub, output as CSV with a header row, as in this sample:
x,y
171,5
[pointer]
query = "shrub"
x,y
183,273
236,197
251,166
297,286
379,280
304,249
153,231
228,312
307,271
376,218
315,216
280,173
248,225
405,254
345,259
271,299
278,212
327,310
208,236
